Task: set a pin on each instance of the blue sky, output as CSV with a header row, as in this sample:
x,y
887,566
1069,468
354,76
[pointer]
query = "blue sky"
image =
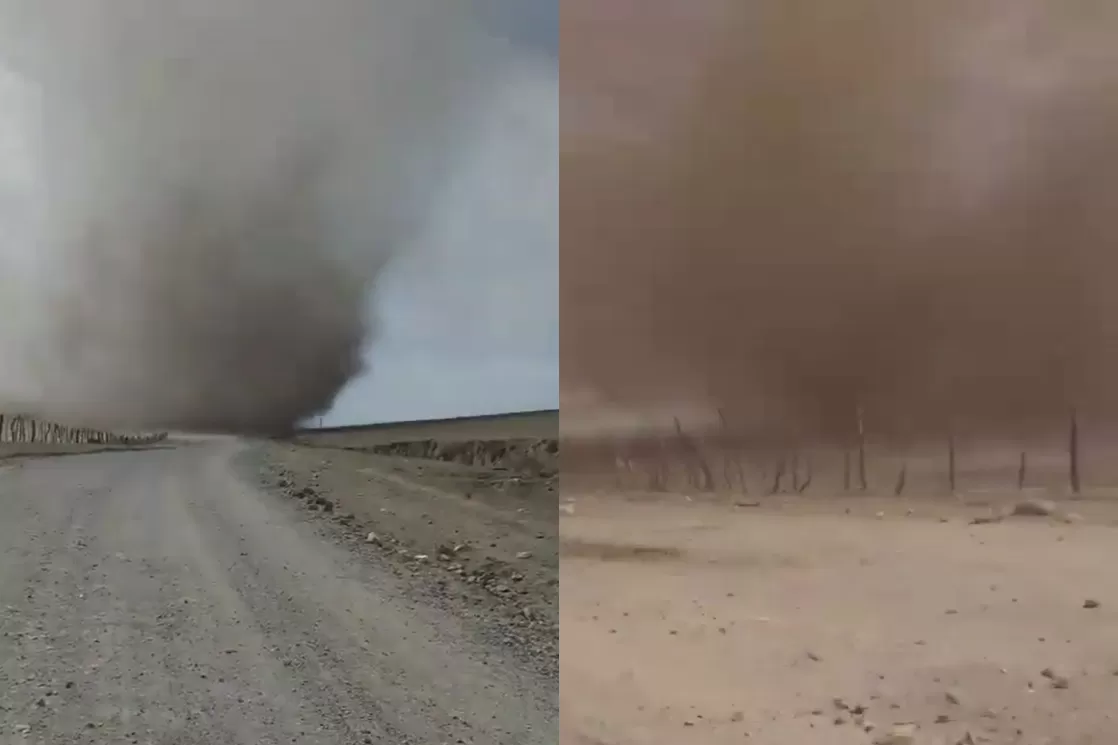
x,y
469,314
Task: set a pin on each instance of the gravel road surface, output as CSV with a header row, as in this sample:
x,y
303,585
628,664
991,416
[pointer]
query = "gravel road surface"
x,y
162,597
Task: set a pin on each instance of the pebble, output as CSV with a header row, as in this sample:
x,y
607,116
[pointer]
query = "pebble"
x,y
898,734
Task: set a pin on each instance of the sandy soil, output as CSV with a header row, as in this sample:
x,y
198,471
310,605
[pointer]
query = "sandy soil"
x,y
836,620
162,597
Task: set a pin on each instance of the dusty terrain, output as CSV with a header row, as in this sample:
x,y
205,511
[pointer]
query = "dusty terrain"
x,y
836,619
187,595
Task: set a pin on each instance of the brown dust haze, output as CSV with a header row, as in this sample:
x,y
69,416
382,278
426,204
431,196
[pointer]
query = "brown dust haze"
x,y
905,206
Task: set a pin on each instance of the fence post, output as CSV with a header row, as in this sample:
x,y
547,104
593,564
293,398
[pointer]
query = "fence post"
x,y
951,460
1073,452
863,481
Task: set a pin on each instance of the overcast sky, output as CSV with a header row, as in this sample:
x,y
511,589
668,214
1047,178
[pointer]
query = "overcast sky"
x,y
469,316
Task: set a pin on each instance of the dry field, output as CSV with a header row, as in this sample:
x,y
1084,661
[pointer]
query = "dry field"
x,y
834,619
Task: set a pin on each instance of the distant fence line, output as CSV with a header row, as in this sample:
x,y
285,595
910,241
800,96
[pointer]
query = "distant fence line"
x,y
725,460
18,428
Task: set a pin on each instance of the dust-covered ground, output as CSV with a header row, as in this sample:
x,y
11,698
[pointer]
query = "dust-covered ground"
x,y
837,620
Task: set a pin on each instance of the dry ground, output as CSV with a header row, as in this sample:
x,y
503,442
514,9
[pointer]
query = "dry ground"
x,y
795,620
162,597
483,535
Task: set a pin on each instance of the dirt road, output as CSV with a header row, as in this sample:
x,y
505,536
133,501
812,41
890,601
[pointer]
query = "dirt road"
x,y
836,620
162,597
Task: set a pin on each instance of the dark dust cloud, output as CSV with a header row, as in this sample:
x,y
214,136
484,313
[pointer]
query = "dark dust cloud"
x,y
908,207
199,196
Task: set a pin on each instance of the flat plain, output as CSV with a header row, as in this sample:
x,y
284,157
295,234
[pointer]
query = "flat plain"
x,y
842,618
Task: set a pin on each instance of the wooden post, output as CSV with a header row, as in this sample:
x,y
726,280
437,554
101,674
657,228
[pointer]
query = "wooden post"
x,y
951,460
862,480
902,477
1073,452
1022,465
778,476
807,476
731,455
695,459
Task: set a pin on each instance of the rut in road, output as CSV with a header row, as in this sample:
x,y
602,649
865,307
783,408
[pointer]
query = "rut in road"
x,y
156,597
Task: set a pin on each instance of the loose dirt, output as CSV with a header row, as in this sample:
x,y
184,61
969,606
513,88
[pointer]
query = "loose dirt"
x,y
836,620
484,535
162,597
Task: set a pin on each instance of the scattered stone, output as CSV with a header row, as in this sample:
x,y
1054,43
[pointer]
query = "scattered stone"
x,y
1090,604
1057,681
943,719
737,716
898,734
373,538
567,509
813,657
952,697
524,555
880,515
986,519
